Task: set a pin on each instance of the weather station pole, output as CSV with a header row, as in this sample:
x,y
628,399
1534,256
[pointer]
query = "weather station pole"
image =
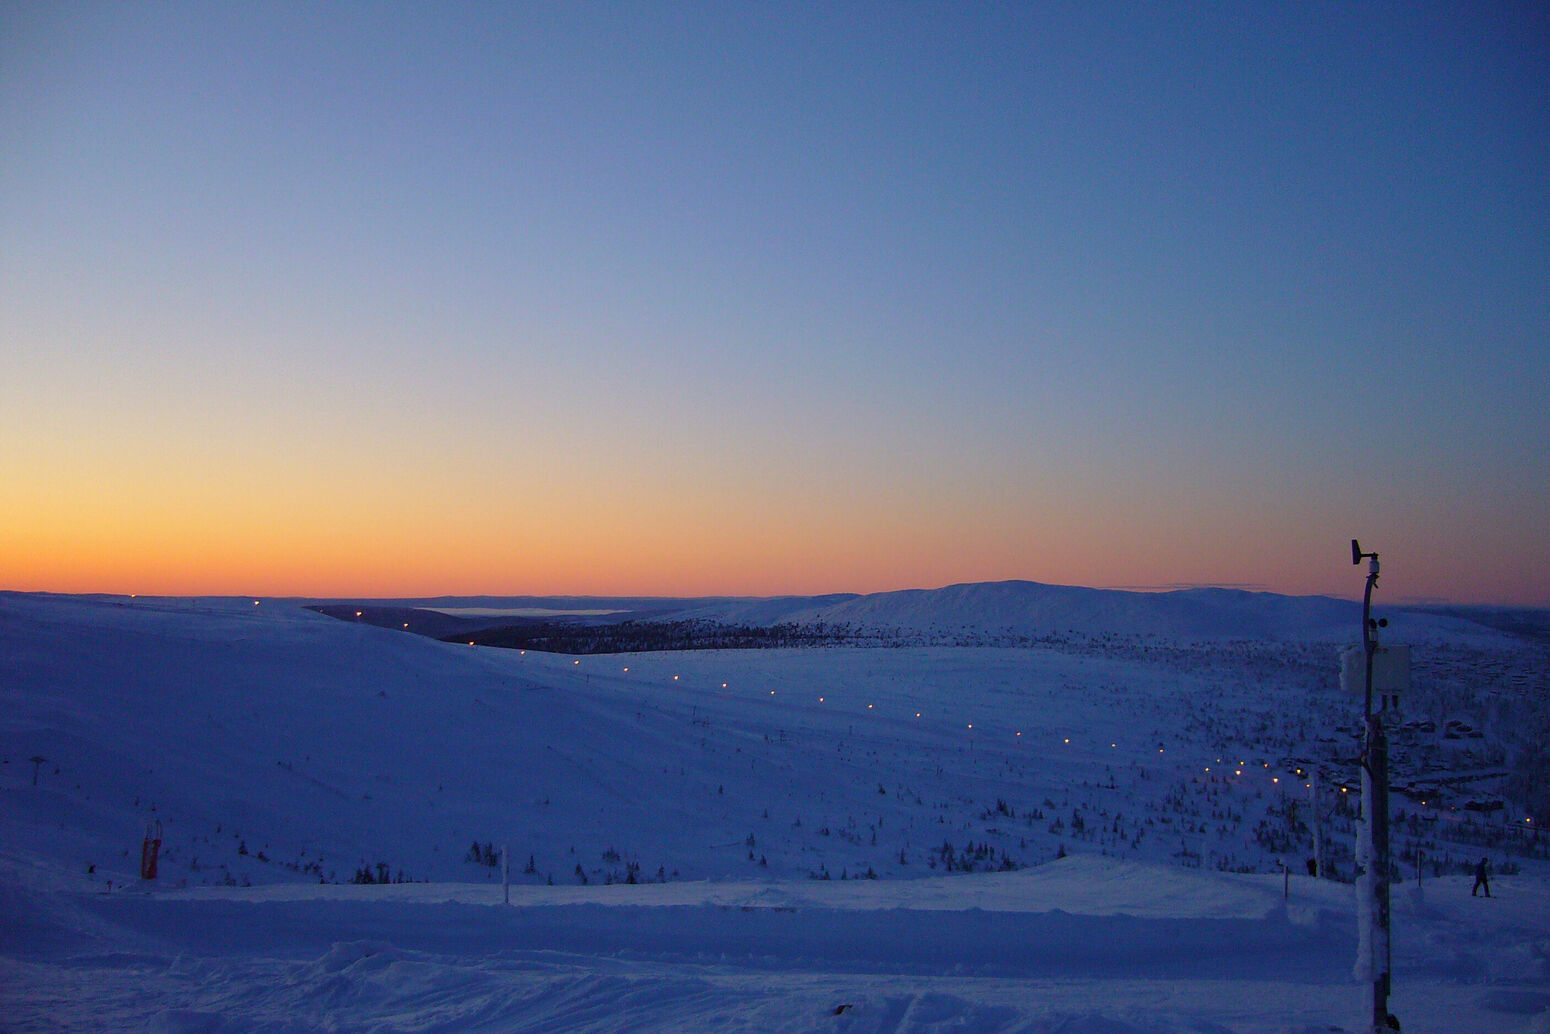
x,y
1372,855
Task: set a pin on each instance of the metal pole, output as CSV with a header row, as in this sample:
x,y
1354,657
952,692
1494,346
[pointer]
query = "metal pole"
x,y
1377,763
1318,825
1375,802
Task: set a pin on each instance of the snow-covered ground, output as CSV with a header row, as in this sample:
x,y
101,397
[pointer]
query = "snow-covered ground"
x,y
1082,835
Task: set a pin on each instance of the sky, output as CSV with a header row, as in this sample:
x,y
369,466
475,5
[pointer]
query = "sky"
x,y
757,299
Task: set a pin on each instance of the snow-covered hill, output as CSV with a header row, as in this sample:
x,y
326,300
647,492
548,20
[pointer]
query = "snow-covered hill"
x,y
1019,608
281,753
1011,610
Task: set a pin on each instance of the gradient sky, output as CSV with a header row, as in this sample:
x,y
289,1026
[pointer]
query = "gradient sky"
x,y
682,299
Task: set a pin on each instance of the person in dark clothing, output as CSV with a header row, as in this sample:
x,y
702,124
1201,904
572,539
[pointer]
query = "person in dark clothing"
x,y
1482,878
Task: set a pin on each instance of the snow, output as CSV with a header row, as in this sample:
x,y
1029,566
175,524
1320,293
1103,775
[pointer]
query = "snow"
x,y
276,746
525,612
988,610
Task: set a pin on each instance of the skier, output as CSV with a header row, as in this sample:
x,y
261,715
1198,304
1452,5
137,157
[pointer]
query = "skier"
x,y
1482,878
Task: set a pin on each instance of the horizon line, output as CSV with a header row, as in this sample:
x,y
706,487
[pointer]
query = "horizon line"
x,y
1158,589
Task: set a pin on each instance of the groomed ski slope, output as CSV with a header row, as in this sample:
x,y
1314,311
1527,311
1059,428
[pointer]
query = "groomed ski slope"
x,y
1084,944
300,738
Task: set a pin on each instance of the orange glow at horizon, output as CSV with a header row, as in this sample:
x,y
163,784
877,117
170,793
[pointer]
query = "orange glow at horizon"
x,y
340,525
666,551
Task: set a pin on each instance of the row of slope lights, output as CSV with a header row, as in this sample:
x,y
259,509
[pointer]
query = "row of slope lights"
x,y
1237,770
1065,740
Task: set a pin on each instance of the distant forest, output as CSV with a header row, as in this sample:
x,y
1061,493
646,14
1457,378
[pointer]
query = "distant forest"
x,y
571,637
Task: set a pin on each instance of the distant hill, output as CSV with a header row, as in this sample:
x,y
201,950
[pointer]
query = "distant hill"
x,y
1034,609
1526,622
1021,608
994,611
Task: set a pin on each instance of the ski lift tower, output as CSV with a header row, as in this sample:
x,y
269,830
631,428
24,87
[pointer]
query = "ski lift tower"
x,y
1372,849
